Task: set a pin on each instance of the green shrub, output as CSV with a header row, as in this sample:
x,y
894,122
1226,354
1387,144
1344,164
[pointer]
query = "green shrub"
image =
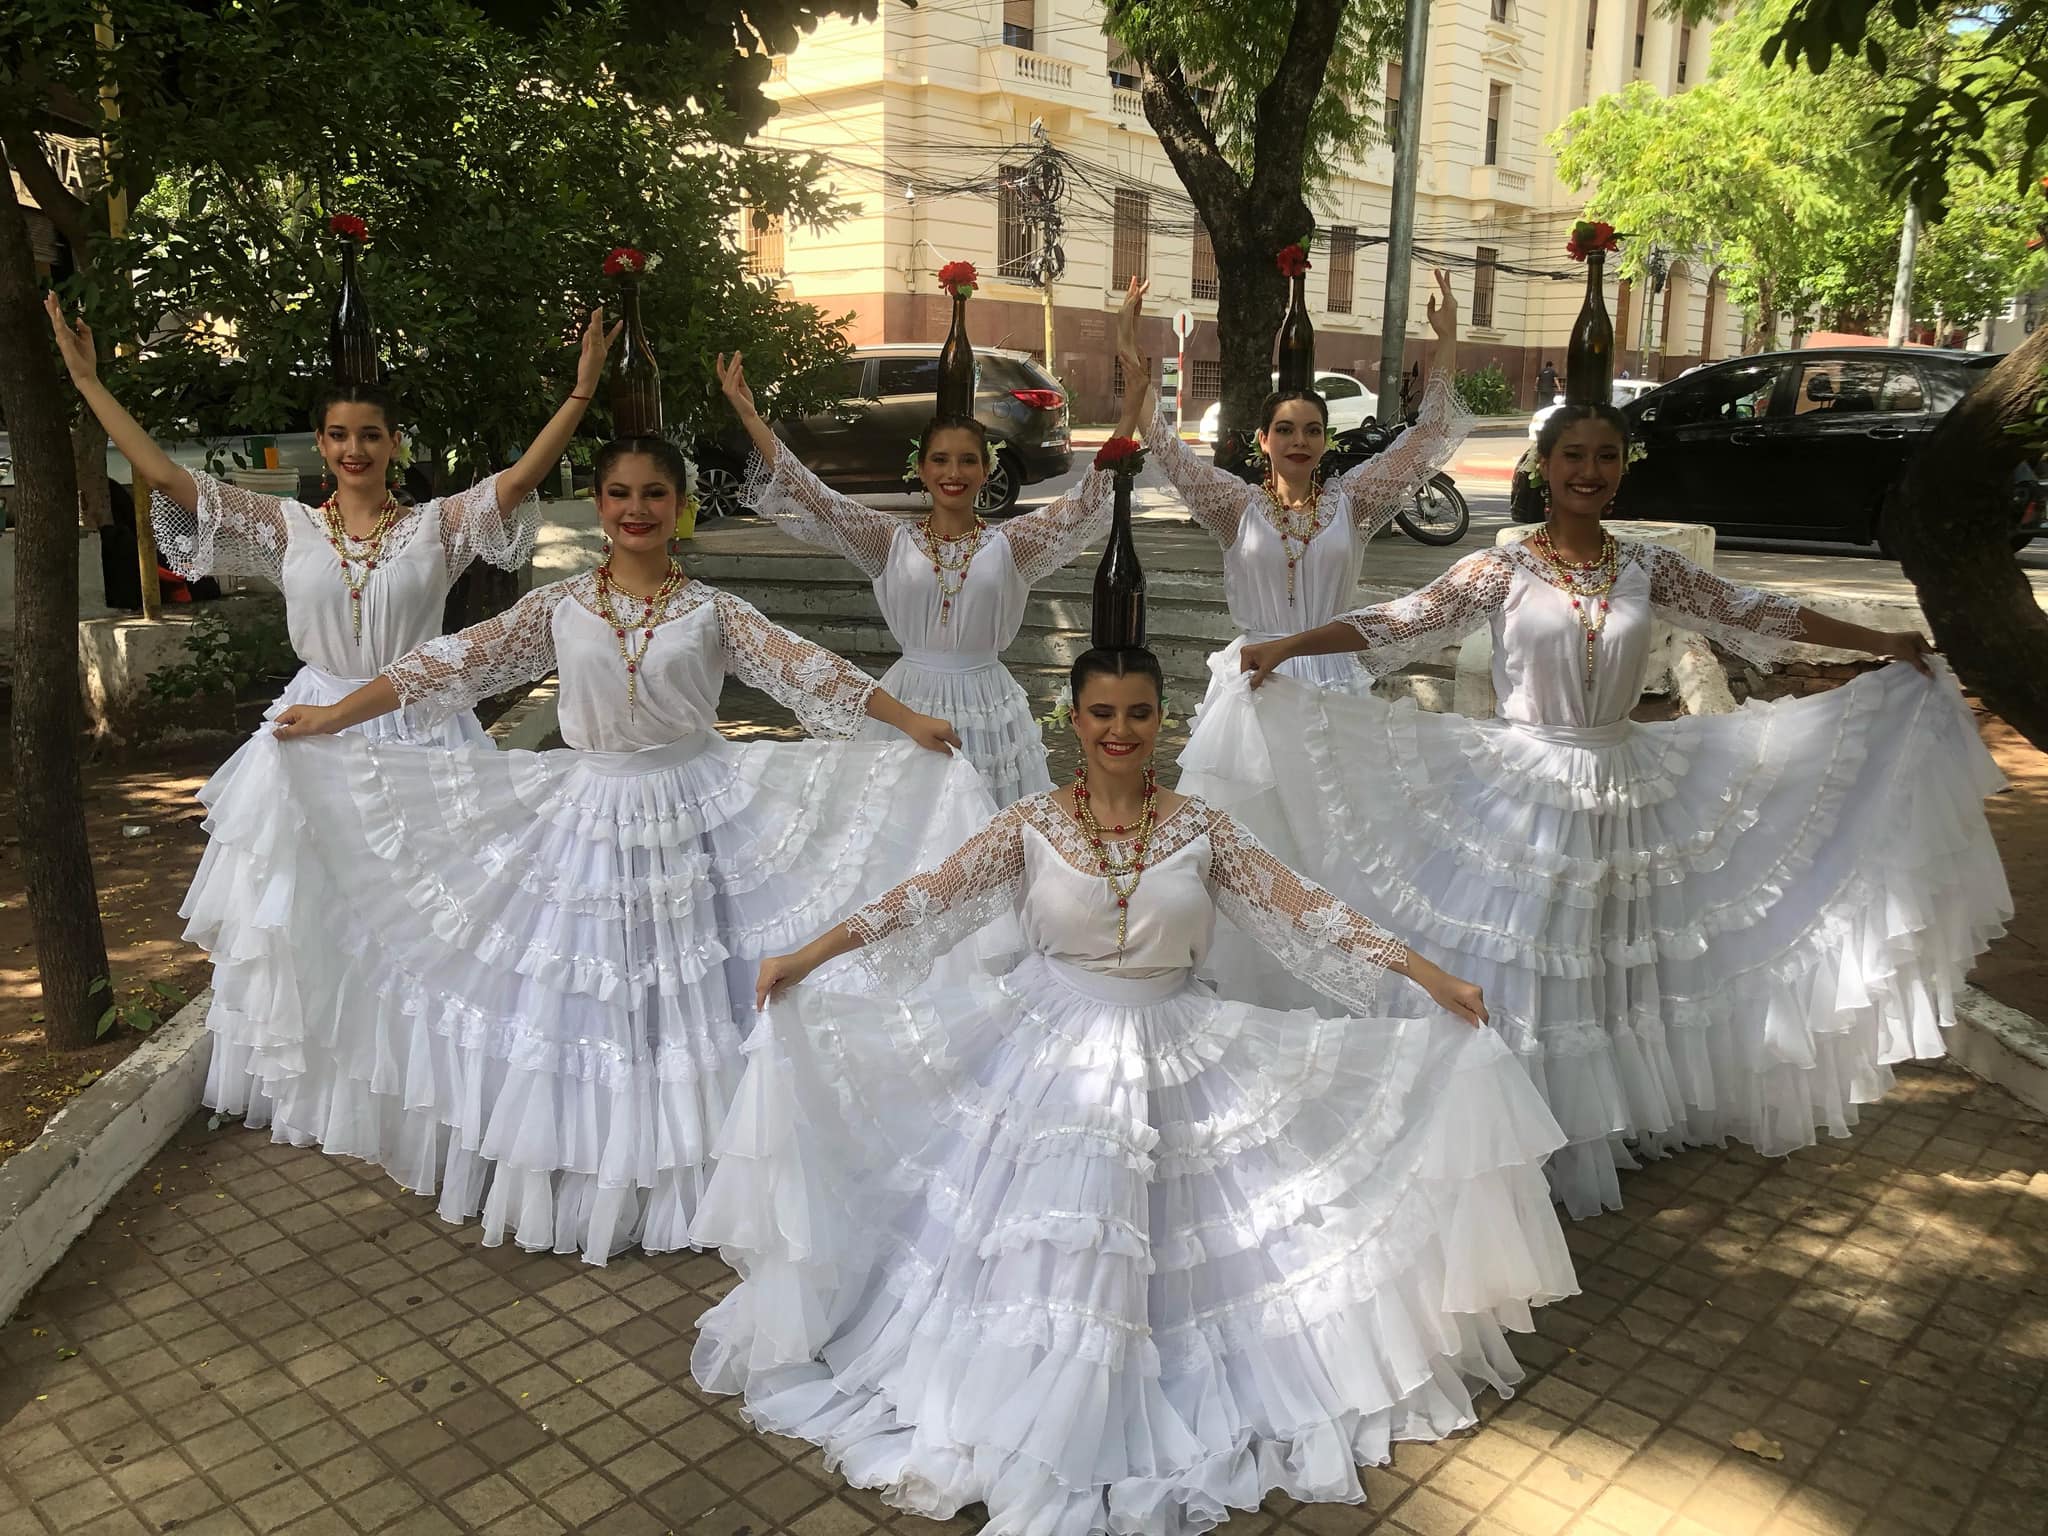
x,y
1486,391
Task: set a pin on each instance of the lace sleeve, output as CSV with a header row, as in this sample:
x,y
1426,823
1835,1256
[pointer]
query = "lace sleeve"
x,y
1379,487
474,526
230,532
1757,626
1332,948
1043,541
904,932
451,672
805,508
1449,608
1215,497
828,693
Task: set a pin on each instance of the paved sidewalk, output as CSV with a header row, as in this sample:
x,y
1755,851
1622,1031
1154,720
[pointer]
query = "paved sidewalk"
x,y
255,1338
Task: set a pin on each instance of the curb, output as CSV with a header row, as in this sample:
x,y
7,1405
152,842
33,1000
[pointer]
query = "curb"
x,y
51,1190
2002,1046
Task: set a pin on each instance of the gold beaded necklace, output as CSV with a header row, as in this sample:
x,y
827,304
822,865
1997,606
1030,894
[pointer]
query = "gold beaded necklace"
x,y
950,558
1296,531
351,551
653,610
1121,864
1589,584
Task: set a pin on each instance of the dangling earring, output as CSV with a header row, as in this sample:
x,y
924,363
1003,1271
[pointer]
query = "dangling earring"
x,y
327,485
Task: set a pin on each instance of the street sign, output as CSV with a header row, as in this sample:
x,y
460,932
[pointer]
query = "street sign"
x,y
1183,323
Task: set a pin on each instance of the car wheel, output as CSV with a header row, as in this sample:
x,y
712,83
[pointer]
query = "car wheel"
x,y
1000,490
720,490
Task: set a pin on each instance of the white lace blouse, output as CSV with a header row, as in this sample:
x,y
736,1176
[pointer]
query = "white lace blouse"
x,y
1351,510
1539,643
706,633
1033,859
987,611
237,532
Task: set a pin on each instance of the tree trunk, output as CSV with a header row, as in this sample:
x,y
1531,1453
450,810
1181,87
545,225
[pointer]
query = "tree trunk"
x,y
63,905
1251,296
1950,523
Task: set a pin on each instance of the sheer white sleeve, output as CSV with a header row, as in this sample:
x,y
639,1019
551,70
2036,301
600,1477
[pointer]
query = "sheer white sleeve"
x,y
1429,618
1757,626
804,507
474,526
1382,485
1042,542
230,532
904,932
1215,497
451,672
1334,949
828,693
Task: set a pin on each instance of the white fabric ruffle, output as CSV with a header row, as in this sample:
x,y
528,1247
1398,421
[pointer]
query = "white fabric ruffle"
x,y
250,883
1120,1257
1724,925
990,711
521,978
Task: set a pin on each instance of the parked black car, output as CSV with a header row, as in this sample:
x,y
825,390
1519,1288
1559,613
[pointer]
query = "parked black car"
x,y
886,395
1798,445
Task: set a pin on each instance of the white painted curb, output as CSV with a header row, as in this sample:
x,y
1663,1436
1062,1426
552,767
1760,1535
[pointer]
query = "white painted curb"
x,y
51,1190
2002,1046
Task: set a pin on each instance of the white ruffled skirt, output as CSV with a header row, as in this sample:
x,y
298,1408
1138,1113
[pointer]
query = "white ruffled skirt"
x,y
1115,1255
987,707
1717,926
521,978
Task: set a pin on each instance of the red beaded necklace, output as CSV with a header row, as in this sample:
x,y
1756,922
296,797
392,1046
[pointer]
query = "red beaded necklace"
x,y
653,610
1122,866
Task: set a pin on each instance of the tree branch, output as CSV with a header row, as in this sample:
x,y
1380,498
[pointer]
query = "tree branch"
x,y
73,220
1184,133
1281,118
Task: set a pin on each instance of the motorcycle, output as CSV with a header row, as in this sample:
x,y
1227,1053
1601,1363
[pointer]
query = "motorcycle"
x,y
1437,514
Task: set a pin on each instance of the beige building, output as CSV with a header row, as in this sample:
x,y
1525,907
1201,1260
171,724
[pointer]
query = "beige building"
x,y
923,115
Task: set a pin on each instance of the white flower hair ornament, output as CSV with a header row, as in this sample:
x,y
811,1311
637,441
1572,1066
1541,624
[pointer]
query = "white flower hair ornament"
x,y
1062,714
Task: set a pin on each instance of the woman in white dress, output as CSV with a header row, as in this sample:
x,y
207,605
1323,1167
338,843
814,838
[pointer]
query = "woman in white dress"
x,y
1715,926
530,989
1087,1244
364,581
951,587
1293,545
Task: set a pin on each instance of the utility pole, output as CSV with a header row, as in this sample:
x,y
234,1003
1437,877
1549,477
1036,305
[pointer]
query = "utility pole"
x,y
1902,290
1048,187
1401,216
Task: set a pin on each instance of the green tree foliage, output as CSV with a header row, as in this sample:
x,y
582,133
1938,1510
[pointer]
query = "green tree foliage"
x,y
1783,180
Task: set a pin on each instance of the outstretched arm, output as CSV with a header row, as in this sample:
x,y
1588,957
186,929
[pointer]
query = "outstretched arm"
x,y
545,451
924,916
1760,625
1379,487
74,341
780,489
1394,634
449,672
1329,945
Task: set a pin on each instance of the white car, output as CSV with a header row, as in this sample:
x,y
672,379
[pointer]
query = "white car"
x,y
1625,390
1351,405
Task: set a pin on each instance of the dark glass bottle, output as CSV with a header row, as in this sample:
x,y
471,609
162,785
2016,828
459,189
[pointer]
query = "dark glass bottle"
x,y
351,339
636,380
1119,620
956,367
1296,359
1589,355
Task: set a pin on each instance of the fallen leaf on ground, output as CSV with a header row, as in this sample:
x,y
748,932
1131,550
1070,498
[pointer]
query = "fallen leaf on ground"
x,y
1757,1444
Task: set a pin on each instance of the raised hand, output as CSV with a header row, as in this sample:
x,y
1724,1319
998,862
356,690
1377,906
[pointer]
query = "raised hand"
x,y
1442,308
1127,322
732,379
596,344
74,341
